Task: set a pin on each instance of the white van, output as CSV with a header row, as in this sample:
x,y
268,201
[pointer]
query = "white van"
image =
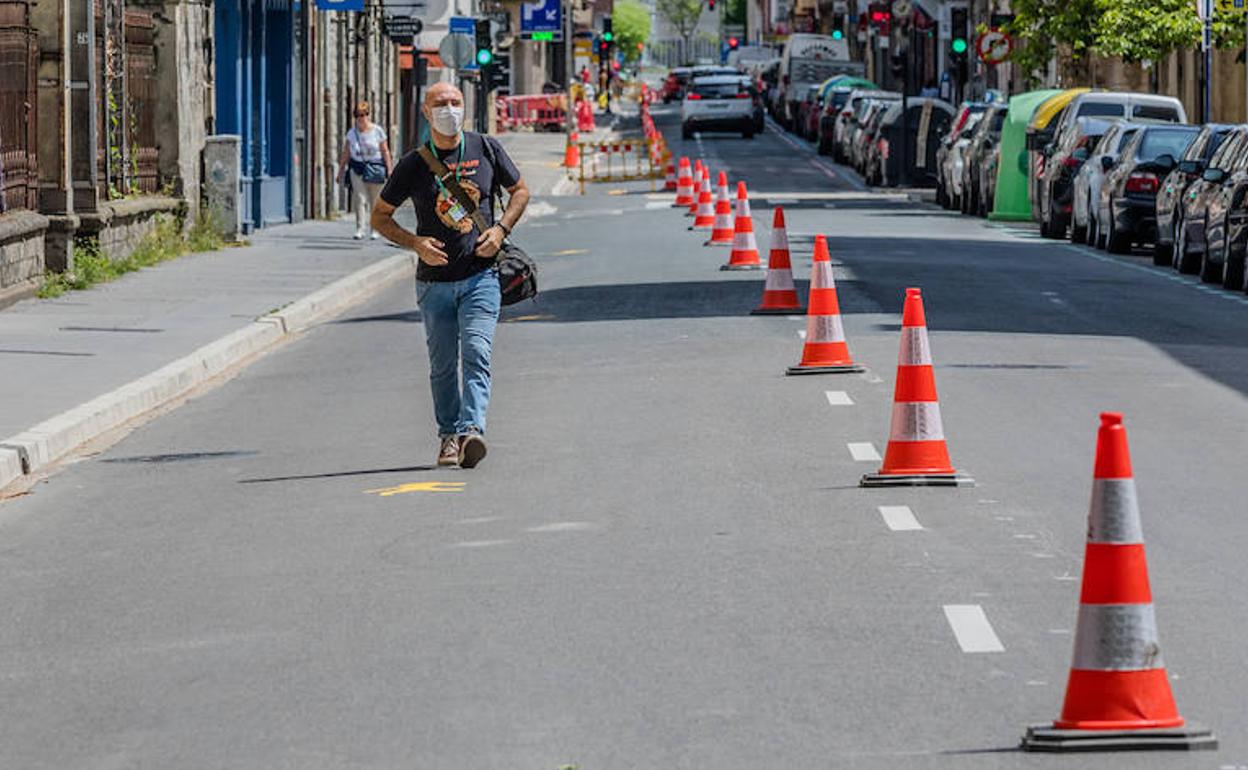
x,y
809,60
1119,104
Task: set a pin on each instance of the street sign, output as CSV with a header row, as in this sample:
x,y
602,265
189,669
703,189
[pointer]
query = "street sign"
x,y
993,46
1231,6
339,5
542,16
459,51
402,29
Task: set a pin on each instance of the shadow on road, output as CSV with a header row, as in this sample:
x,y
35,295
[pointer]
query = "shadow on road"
x,y
341,474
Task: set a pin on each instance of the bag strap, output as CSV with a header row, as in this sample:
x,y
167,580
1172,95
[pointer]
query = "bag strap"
x,y
496,189
447,177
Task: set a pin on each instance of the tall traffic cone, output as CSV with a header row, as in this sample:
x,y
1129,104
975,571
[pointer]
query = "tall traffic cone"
x,y
705,217
1118,695
701,178
669,181
916,454
825,351
779,294
572,152
721,227
684,184
744,254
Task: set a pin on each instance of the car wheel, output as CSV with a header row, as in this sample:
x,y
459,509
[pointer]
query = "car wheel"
x,y
1209,272
1184,260
1232,273
1053,230
685,133
1078,234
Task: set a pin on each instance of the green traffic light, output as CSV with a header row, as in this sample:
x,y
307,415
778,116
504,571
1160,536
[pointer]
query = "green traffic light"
x,y
607,36
837,34
484,56
959,45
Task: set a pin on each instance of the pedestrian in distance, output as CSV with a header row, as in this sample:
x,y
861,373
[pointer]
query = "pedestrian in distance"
x,y
366,154
457,285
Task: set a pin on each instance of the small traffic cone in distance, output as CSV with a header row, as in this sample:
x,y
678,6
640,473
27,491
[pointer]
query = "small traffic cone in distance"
x,y
684,184
744,254
1118,696
572,153
669,181
916,454
721,230
825,350
701,178
779,294
705,217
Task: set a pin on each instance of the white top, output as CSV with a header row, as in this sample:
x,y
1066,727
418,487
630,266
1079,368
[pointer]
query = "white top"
x,y
366,146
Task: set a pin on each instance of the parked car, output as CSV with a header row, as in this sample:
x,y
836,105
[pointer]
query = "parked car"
x,y
918,152
1191,220
807,108
987,134
1117,104
718,103
674,86
848,121
1102,142
1177,182
864,135
1225,232
947,185
1057,182
1127,207
833,103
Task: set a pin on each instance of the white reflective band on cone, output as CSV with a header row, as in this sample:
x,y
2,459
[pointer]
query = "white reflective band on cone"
x,y
1117,637
780,240
917,421
744,242
915,350
1114,516
779,280
822,276
824,328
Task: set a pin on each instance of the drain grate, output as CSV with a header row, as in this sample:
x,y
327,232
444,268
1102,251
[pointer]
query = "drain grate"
x,y
180,457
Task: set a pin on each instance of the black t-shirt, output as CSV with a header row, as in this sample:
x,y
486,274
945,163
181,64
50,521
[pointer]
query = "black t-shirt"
x,y
413,179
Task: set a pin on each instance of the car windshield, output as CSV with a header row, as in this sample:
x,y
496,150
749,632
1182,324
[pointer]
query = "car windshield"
x,y
1215,141
1164,141
838,100
718,90
1100,109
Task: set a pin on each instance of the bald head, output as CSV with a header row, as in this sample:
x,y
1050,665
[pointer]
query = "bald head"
x,y
443,94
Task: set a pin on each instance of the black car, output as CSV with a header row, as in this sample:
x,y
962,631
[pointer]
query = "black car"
x,y
1057,184
1176,184
1192,219
919,157
986,136
1128,201
832,104
1227,224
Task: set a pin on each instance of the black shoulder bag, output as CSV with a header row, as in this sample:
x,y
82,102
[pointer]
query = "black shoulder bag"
x,y
517,272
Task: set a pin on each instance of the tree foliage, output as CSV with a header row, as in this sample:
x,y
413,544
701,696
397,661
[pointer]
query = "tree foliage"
x,y
630,22
681,14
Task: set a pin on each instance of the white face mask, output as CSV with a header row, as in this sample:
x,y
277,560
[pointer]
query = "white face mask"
x,y
448,121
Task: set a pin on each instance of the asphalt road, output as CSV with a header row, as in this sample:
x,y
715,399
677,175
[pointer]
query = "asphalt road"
x,y
665,561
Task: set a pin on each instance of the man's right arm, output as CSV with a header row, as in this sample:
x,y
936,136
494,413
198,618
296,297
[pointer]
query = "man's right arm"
x,y
429,249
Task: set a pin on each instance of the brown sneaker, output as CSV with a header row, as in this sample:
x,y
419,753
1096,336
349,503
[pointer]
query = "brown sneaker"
x,y
471,450
448,454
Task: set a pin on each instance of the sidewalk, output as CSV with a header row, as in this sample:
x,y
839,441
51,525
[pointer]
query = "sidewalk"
x,y
78,366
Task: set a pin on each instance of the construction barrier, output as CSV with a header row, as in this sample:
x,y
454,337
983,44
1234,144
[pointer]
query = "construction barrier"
x,y
536,112
620,160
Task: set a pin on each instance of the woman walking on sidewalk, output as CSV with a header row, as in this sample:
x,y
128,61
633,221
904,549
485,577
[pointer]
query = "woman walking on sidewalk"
x,y
367,154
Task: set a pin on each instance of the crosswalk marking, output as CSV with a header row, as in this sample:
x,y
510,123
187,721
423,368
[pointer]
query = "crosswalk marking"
x,y
899,518
971,627
864,451
838,398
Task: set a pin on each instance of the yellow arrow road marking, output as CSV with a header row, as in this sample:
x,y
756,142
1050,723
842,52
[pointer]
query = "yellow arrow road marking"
x,y
419,486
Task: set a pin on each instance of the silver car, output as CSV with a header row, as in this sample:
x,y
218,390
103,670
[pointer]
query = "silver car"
x,y
1099,155
718,103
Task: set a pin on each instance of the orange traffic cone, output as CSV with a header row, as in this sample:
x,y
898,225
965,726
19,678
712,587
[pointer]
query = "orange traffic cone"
x,y
669,181
825,351
572,153
779,294
916,454
705,217
1118,695
744,254
684,184
703,182
721,231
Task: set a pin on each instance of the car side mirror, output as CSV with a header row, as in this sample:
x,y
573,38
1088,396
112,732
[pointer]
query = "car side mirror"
x,y
1190,166
1164,163
1107,162
1214,175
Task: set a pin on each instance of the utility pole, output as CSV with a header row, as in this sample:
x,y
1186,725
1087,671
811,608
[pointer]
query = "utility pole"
x,y
1205,9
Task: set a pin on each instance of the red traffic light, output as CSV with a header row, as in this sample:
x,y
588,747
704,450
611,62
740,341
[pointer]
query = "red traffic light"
x,y
879,17
710,5
641,46
733,43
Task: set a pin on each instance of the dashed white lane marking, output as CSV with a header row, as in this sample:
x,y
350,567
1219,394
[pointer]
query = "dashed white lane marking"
x,y
1053,297
481,520
838,398
864,451
562,526
899,518
658,205
478,543
971,627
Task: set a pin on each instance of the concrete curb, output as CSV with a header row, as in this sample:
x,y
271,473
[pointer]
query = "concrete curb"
x,y
50,440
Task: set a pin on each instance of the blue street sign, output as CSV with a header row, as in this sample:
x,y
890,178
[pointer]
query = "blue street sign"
x,y
463,25
340,5
542,16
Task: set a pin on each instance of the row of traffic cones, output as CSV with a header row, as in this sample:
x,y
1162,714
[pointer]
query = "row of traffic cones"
x,y
727,227
1118,694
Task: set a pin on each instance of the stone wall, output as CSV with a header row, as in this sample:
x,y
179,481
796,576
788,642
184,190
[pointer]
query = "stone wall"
x,y
118,226
21,254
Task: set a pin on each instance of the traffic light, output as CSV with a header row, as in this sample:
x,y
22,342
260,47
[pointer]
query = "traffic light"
x,y
881,16
957,34
710,5
498,74
607,34
485,46
733,44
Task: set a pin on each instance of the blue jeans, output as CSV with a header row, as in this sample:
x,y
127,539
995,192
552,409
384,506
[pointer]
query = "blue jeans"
x,y
460,315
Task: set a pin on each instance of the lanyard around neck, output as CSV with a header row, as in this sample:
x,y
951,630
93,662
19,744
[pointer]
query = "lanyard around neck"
x,y
458,163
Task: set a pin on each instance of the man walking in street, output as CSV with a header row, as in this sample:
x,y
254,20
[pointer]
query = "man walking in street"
x,y
457,286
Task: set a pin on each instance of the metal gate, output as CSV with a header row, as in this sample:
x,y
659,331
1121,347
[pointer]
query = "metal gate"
x,y
19,61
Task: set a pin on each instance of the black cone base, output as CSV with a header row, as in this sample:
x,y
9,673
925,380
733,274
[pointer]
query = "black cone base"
x,y
1190,737
778,311
923,480
846,369
740,267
